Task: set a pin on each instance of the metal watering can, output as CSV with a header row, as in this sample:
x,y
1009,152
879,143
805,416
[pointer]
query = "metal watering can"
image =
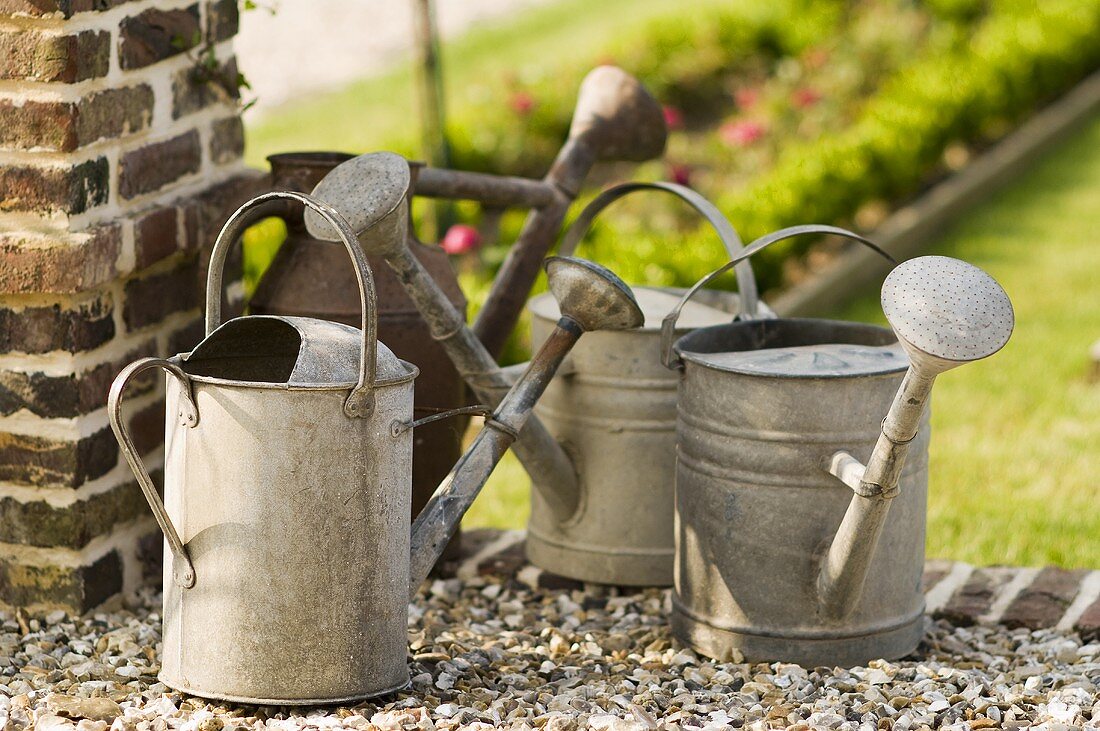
x,y
290,562
799,519
613,406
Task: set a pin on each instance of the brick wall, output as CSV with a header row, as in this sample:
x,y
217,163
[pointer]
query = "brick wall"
x,y
117,165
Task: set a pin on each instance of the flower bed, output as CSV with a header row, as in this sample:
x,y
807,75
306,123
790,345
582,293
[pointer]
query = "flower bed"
x,y
830,112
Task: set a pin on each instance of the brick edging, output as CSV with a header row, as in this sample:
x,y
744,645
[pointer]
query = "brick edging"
x,y
1034,598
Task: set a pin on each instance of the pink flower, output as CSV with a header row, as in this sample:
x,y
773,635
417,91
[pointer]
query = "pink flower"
x,y
522,102
746,98
461,239
741,134
674,118
805,97
679,173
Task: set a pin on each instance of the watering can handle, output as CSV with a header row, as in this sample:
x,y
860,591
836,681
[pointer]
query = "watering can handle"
x,y
746,282
668,326
360,403
183,569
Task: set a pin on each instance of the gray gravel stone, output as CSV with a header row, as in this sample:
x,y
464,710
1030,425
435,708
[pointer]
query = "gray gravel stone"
x,y
596,658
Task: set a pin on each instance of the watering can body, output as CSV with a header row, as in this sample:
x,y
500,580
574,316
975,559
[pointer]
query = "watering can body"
x,y
763,407
286,499
613,408
295,517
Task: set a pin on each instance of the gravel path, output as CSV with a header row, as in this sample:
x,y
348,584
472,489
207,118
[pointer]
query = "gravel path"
x,y
305,47
491,651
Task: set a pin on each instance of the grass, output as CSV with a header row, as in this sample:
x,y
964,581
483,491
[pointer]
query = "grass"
x,y
1016,438
380,112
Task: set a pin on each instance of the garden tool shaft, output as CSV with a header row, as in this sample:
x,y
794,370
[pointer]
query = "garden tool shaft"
x,y
615,119
590,298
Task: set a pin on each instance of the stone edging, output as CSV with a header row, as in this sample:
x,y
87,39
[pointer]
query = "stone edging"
x,y
907,231
1033,598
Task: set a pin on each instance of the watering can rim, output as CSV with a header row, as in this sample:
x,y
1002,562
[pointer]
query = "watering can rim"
x,y
544,306
404,370
704,359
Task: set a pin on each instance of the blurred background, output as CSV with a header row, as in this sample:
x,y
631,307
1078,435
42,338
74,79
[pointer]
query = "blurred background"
x,y
781,112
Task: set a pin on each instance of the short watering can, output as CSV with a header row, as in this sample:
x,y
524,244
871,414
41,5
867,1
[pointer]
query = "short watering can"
x,y
290,562
613,406
800,512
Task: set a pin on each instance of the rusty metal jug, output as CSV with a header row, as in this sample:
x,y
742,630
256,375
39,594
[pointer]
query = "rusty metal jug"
x,y
613,407
778,550
311,278
288,460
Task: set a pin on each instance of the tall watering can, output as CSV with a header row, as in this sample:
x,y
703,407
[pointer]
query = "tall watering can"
x,y
800,512
613,406
288,462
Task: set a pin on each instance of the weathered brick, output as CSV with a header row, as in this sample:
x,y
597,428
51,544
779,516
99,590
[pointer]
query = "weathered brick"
x,y
150,554
1044,602
223,19
45,329
76,589
155,35
38,523
38,461
50,189
972,599
36,56
1088,624
226,140
195,88
59,267
66,126
208,211
152,167
32,124
185,339
156,235
64,8
114,112
147,427
153,298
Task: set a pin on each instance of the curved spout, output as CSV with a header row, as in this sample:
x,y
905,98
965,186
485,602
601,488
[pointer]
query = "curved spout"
x,y
590,298
372,190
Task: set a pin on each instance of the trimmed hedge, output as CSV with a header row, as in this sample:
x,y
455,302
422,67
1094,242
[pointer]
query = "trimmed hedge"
x,y
1019,55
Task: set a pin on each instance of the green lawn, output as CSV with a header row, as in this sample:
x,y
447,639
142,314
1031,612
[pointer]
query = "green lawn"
x,y
380,112
1015,465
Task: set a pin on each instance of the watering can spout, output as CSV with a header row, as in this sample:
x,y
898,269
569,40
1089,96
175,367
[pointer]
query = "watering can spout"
x,y
590,298
945,313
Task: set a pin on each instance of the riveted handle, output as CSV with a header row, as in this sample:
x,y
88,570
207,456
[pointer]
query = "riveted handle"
x,y
182,568
668,326
746,282
360,403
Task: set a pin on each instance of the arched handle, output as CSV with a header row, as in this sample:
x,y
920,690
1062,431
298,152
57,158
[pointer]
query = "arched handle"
x,y
668,326
746,282
360,403
182,568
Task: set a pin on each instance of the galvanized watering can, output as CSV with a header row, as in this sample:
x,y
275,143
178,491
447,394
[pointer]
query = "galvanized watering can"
x,y
613,406
799,519
290,562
